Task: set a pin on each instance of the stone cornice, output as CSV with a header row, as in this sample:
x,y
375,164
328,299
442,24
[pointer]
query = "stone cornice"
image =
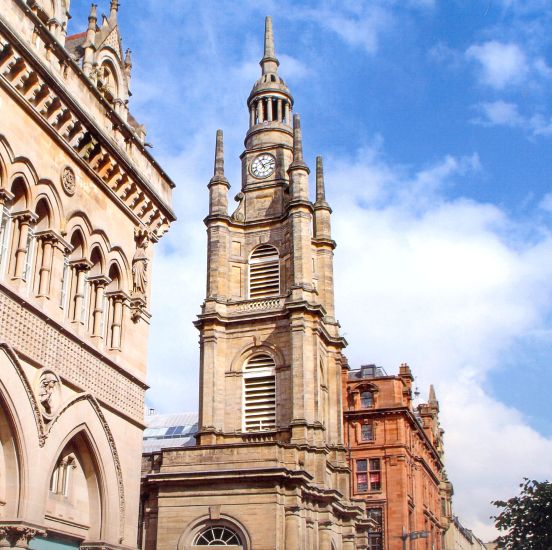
x,y
30,84
53,45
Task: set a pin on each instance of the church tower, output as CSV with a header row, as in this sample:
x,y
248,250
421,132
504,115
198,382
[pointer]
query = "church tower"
x,y
269,470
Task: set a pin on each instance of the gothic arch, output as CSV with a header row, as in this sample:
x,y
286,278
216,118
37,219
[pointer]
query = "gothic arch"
x,y
89,480
22,431
21,192
45,189
83,415
117,257
186,540
6,159
109,58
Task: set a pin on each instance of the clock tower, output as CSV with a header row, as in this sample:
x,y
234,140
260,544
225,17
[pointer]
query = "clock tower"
x,y
269,470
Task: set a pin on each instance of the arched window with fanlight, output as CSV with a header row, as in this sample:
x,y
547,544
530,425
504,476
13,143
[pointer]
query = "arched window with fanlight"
x,y
264,272
259,394
218,535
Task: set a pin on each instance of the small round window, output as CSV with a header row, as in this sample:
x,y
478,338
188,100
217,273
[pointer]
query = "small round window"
x,y
217,536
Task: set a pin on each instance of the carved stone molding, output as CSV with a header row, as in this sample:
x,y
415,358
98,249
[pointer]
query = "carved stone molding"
x,y
18,534
34,337
68,180
111,440
48,390
126,178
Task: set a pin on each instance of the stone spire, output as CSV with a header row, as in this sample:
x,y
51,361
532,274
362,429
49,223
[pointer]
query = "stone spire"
x,y
269,63
90,40
218,186
320,187
298,161
113,11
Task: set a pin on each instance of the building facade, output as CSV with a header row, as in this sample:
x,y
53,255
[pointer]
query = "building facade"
x,y
80,201
396,459
269,470
459,537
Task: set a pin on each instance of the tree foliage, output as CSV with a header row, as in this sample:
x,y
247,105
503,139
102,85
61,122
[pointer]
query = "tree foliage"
x,y
527,518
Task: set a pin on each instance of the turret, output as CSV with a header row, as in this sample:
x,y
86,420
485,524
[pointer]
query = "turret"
x,y
270,101
322,210
113,12
218,186
89,44
298,171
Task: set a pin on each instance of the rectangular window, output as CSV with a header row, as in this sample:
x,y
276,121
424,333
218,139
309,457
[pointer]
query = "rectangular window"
x,y
375,474
367,432
375,541
366,399
368,475
4,236
64,284
29,255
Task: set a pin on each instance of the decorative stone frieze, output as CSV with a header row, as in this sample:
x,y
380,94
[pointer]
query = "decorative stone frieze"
x,y
102,157
33,336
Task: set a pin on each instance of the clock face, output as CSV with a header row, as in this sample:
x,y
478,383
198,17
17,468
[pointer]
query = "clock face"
x,y
263,165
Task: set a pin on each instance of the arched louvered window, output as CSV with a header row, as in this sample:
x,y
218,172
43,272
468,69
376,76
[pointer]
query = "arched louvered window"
x,y
259,393
217,535
264,272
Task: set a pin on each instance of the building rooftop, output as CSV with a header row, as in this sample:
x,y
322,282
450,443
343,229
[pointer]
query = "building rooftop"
x,y
367,371
169,430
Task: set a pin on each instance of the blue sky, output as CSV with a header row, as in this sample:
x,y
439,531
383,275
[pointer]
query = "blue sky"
x,y
435,122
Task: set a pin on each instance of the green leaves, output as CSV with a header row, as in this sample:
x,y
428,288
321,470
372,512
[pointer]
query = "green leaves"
x,y
527,518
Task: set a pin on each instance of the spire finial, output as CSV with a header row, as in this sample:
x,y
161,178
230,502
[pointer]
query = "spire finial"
x,y
320,189
219,156
432,397
269,63
113,11
298,161
93,16
128,59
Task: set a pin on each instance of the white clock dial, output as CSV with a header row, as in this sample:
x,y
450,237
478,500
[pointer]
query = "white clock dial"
x,y
263,165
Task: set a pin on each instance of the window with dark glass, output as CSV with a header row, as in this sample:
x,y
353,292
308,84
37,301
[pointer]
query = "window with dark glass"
x,y
375,528
366,399
368,475
375,474
367,432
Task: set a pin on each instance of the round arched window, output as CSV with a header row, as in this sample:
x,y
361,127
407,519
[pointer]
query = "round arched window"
x,y
217,535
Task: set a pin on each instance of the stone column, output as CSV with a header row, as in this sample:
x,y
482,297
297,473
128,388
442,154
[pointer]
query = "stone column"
x,y
25,220
279,110
99,283
259,111
288,113
269,113
45,272
349,542
293,528
80,268
325,536
117,320
252,116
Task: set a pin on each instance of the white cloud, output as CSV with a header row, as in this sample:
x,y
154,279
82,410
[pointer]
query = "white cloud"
x,y
436,283
504,113
501,64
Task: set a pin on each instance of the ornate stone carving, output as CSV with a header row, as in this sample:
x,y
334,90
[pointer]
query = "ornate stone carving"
x,y
111,440
49,393
18,535
68,180
238,214
32,336
140,265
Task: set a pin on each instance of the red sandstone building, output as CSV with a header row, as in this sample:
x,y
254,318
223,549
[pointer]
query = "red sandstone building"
x,y
396,459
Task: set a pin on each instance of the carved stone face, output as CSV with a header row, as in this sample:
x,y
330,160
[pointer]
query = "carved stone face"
x,y
48,390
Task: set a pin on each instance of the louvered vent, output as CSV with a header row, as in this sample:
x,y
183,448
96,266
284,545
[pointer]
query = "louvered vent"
x,y
264,272
260,394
